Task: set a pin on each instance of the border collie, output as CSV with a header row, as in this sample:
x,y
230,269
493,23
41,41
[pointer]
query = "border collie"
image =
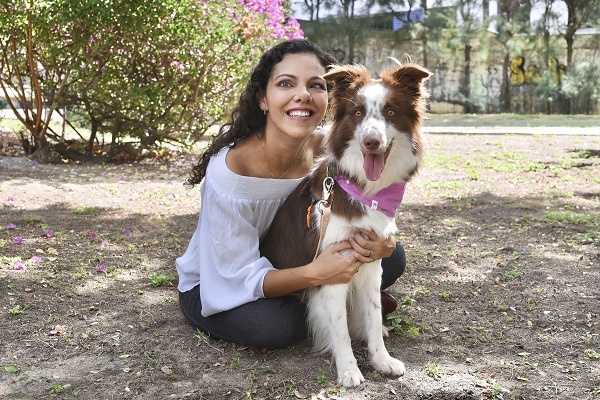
x,y
372,150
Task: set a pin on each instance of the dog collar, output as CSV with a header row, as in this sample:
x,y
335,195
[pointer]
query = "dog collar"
x,y
387,200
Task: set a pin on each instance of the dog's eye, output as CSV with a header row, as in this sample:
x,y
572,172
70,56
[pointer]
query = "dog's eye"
x,y
391,113
358,113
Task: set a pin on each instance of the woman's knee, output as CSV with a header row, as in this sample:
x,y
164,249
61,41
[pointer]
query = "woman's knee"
x,y
393,266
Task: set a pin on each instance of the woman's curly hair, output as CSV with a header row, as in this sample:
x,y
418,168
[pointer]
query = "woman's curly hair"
x,y
248,118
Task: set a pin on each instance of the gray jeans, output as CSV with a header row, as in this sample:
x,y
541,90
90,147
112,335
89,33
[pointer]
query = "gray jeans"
x,y
268,323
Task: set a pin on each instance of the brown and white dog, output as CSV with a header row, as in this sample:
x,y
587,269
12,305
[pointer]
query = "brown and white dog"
x,y
372,150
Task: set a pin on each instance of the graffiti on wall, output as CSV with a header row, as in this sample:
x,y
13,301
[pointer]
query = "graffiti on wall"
x,y
445,84
519,75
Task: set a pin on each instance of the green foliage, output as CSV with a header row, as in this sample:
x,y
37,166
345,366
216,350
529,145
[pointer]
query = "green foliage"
x,y
16,310
513,274
81,210
581,85
157,280
142,72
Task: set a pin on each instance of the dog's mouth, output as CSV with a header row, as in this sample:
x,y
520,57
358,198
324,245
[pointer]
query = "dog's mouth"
x,y
374,163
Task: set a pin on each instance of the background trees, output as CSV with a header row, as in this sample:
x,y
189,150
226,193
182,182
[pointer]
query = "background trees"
x,y
129,75
140,72
530,43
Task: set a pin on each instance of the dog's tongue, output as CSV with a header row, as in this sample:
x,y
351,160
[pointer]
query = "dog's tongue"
x,y
373,165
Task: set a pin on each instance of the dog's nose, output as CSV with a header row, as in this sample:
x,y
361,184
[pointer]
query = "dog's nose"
x,y
371,144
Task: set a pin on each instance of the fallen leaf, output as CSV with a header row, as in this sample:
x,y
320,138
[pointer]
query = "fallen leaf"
x,y
58,330
11,369
524,354
166,370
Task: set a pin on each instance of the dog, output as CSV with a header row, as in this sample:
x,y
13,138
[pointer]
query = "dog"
x,y
373,148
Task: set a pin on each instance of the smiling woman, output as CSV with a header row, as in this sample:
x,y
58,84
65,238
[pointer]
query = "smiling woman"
x,y
227,289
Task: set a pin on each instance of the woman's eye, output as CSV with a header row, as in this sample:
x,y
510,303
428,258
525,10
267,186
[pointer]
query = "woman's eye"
x,y
391,113
358,113
285,84
319,86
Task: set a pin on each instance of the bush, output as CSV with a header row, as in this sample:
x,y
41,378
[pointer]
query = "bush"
x,y
144,72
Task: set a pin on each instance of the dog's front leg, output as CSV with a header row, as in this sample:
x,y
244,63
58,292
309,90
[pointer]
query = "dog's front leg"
x,y
329,325
367,315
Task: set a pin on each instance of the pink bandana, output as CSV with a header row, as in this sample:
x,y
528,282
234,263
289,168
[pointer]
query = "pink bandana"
x,y
386,200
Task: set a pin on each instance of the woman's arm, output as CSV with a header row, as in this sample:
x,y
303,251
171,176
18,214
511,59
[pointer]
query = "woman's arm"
x,y
330,267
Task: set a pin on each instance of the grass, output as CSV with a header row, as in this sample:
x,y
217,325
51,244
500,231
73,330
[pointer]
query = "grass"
x,y
513,274
82,210
157,280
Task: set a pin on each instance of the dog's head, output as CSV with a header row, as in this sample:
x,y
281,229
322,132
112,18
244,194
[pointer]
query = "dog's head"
x,y
376,130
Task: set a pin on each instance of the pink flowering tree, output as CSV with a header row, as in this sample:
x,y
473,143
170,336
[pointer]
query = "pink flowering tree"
x,y
143,73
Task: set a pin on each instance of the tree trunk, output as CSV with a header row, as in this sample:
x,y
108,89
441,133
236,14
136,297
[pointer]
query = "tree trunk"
x,y
467,80
424,33
43,153
505,88
89,147
570,40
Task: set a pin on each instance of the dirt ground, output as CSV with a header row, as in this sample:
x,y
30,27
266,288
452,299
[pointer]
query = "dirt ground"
x,y
500,300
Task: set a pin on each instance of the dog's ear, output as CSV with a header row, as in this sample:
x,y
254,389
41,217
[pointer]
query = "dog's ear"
x,y
408,76
343,76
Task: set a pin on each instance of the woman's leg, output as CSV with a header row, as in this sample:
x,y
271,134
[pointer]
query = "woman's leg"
x,y
393,267
264,323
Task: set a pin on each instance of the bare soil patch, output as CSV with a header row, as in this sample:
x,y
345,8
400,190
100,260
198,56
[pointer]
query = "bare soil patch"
x,y
500,300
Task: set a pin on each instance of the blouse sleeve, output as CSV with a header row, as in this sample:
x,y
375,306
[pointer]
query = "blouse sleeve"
x,y
231,268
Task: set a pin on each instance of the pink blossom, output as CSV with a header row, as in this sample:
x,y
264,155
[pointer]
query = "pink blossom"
x,y
127,232
19,266
101,268
93,235
104,244
49,233
17,239
11,226
36,259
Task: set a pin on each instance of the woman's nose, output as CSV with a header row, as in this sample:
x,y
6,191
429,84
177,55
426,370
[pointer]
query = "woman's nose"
x,y
303,95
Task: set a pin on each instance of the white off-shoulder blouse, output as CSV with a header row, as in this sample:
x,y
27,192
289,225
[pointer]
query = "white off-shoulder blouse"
x,y
222,256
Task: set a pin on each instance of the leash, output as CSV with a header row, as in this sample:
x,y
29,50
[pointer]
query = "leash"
x,y
324,208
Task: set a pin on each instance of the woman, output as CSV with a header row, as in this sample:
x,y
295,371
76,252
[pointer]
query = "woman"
x,y
227,289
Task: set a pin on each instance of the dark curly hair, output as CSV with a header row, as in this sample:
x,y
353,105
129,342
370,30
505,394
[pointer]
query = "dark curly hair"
x,y
247,118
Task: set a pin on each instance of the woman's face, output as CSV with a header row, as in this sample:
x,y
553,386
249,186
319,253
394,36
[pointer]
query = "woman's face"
x,y
296,96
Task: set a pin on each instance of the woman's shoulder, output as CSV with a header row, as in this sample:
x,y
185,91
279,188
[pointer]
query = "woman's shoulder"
x,y
241,159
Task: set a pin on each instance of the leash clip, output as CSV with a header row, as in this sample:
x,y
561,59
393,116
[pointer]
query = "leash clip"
x,y
328,183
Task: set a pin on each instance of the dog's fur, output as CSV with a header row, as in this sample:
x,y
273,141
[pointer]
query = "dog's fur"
x,y
371,117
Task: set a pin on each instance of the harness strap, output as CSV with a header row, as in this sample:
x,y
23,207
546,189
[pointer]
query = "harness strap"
x,y
324,207
325,211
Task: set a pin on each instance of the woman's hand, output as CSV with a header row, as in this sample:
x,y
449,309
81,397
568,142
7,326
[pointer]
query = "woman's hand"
x,y
338,263
371,247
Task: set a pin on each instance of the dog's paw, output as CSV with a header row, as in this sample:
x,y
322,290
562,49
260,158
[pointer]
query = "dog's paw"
x,y
389,366
350,377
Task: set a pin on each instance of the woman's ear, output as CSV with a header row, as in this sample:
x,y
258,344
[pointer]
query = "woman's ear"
x,y
262,102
